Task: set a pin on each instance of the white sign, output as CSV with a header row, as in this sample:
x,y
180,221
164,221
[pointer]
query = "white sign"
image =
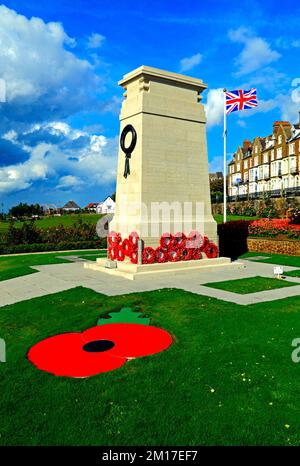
x,y
2,91
278,270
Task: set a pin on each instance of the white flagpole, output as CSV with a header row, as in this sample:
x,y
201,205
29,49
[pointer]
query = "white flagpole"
x,y
225,165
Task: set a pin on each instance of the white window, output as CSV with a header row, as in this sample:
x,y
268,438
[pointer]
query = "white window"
x,y
272,154
266,158
256,149
291,148
279,152
255,161
279,139
246,164
292,163
238,167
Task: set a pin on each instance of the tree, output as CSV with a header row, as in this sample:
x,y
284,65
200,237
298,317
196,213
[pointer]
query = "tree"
x,y
26,210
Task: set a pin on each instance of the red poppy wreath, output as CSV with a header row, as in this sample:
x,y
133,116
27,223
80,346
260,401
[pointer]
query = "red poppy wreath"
x,y
102,348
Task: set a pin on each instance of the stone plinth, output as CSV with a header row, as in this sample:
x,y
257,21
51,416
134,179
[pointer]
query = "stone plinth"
x,y
132,271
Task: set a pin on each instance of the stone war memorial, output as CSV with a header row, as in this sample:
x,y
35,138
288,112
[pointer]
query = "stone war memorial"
x,y
163,193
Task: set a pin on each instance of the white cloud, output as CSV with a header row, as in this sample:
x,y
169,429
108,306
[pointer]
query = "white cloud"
x,y
69,182
95,41
214,107
257,52
42,75
76,161
190,62
241,123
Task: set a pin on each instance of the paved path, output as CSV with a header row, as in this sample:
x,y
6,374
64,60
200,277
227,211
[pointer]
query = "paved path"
x,y
60,277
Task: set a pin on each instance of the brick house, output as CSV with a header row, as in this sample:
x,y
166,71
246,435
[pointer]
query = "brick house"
x,y
267,165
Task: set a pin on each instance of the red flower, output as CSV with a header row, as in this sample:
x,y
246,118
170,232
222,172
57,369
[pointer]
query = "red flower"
x,y
197,254
161,254
211,250
127,247
99,349
179,240
114,238
187,254
174,255
166,240
120,254
148,255
133,238
204,243
113,253
134,257
194,239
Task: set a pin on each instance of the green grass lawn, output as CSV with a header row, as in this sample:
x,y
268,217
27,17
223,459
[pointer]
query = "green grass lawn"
x,y
68,220
293,273
227,379
250,285
65,220
16,266
219,218
278,259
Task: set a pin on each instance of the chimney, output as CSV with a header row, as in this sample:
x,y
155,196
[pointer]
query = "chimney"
x,y
278,123
246,145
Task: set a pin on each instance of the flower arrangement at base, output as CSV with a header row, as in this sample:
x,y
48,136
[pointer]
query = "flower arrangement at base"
x,y
148,256
113,253
114,238
134,257
173,248
194,239
174,255
134,238
211,250
161,255
179,240
204,243
197,254
187,254
127,247
121,254
167,240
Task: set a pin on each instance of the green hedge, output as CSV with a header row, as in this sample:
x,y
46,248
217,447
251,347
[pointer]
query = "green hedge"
x,y
233,238
61,246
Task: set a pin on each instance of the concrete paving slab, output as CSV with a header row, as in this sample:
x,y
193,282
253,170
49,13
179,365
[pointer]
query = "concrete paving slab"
x,y
60,277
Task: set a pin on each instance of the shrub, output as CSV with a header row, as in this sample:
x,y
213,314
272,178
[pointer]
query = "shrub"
x,y
27,234
295,219
44,247
233,238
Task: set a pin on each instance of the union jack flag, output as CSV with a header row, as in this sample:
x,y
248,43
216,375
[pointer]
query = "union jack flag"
x,y
240,100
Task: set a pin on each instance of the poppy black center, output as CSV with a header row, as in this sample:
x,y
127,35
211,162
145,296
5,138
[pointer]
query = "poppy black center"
x,y
98,346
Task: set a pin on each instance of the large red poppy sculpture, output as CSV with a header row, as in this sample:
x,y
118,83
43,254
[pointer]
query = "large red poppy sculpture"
x,y
99,349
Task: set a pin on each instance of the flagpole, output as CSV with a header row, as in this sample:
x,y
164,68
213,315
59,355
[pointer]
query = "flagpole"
x,y
224,167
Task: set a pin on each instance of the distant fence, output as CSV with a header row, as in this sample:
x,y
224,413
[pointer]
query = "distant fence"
x,y
288,192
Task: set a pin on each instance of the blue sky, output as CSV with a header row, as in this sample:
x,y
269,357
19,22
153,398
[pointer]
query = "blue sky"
x,y
61,61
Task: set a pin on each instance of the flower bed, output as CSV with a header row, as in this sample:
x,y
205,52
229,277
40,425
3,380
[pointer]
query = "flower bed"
x,y
281,228
172,248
